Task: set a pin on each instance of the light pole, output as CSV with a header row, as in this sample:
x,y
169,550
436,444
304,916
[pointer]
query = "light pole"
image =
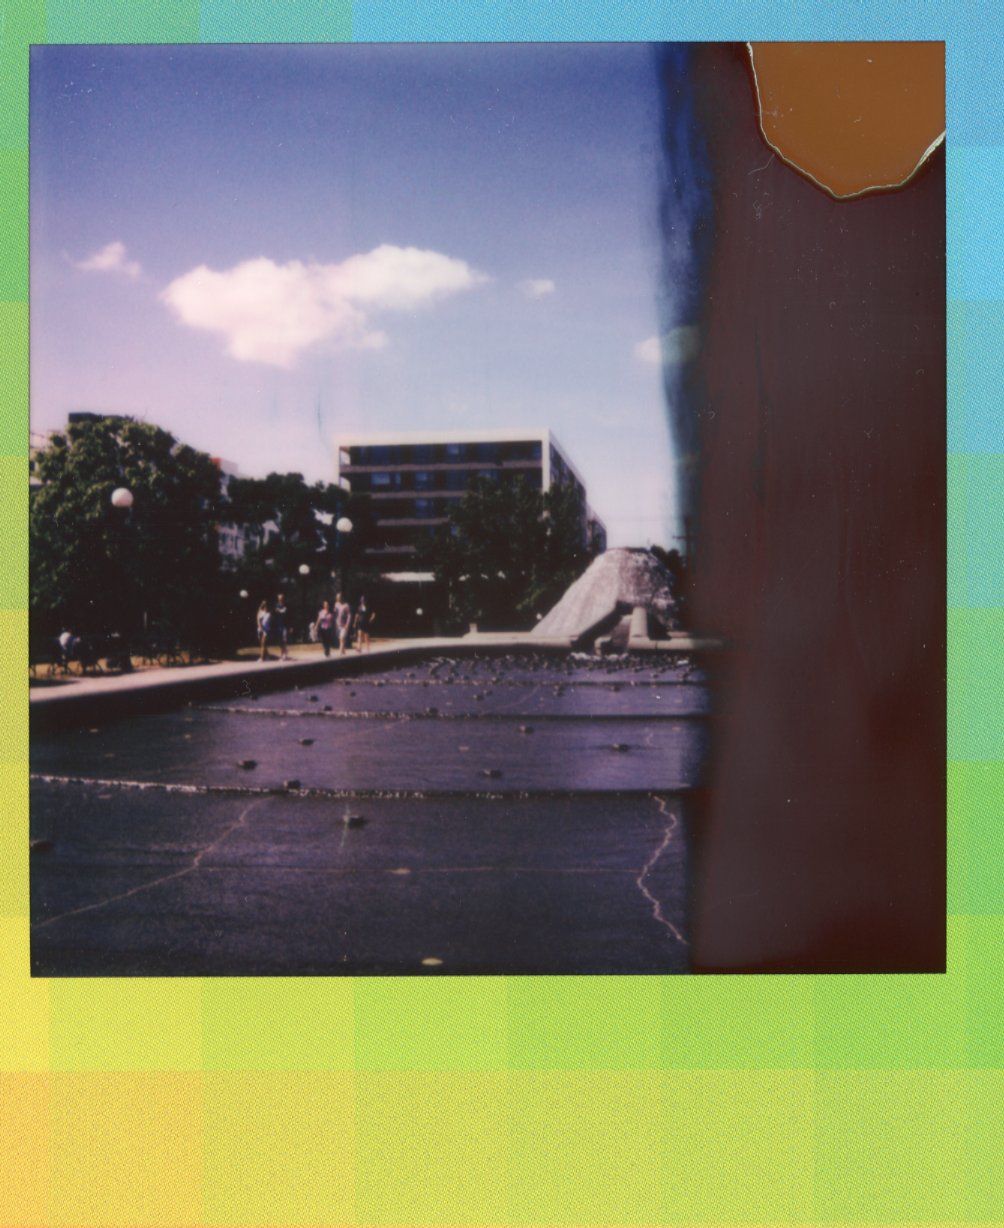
x,y
122,500
343,527
304,570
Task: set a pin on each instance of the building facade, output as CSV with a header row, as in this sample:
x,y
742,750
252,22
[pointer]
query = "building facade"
x,y
413,481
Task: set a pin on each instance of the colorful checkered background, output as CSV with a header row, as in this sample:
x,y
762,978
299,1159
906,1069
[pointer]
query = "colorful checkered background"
x,y
731,1100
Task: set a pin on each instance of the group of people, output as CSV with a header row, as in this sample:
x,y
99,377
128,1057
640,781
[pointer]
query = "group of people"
x,y
342,622
273,628
332,623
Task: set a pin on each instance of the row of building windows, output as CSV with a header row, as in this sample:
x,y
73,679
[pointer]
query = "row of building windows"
x,y
445,480
414,509
490,453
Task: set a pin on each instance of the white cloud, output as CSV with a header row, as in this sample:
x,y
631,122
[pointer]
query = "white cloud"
x,y
271,313
679,345
537,287
110,259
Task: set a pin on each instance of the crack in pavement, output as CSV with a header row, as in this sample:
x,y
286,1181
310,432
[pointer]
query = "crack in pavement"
x,y
657,912
164,878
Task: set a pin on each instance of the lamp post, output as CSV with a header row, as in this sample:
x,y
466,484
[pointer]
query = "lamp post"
x,y
304,570
343,527
122,500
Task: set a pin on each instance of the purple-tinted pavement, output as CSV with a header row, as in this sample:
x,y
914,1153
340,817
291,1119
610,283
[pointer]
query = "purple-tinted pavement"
x,y
514,814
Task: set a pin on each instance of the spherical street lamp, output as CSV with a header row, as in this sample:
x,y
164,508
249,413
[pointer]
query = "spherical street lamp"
x,y
243,594
343,525
304,570
122,498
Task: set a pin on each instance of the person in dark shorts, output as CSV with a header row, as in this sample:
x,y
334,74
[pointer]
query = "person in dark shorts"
x,y
325,626
364,620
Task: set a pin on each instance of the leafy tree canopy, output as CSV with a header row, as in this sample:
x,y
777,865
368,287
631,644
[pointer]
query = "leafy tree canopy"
x,y
510,551
301,522
101,568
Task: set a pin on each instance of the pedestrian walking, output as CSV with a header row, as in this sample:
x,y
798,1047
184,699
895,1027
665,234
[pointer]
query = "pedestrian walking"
x,y
264,627
364,620
325,625
343,622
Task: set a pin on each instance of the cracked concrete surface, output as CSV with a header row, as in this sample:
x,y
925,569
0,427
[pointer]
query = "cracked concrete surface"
x,y
164,861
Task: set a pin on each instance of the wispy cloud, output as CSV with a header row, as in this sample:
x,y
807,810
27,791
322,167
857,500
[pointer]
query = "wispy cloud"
x,y
271,313
679,345
110,259
537,287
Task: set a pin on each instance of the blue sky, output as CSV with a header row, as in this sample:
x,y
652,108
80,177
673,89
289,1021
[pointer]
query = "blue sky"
x,y
260,248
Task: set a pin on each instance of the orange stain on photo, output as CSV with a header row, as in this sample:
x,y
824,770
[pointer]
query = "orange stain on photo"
x,y
854,117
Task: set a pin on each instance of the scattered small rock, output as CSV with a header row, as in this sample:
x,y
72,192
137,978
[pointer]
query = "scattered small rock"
x,y
291,784
327,707
41,846
312,698
620,746
306,741
526,729
493,773
247,764
354,820
432,710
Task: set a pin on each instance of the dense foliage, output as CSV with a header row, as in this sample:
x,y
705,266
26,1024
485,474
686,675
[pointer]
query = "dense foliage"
x,y
156,568
301,522
98,568
509,552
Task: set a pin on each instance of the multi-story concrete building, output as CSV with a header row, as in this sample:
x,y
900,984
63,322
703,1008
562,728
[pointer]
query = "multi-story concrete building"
x,y
414,479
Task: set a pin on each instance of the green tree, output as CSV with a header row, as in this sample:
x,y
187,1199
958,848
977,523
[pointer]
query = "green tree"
x,y
301,521
99,568
509,552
